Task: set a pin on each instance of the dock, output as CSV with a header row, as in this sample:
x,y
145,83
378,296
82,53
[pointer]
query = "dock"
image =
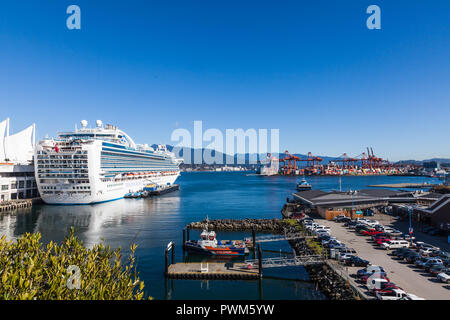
x,y
164,190
404,185
214,270
12,205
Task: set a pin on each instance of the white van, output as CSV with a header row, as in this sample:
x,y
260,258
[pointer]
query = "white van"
x,y
395,244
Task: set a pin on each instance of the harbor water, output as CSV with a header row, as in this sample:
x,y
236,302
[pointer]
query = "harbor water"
x,y
152,223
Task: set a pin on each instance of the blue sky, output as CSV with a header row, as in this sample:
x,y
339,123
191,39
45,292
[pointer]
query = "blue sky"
x,y
310,68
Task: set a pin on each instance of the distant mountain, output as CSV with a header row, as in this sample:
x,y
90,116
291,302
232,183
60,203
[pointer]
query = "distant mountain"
x,y
421,162
185,152
233,159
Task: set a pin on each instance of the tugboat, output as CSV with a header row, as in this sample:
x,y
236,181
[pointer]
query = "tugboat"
x,y
303,185
209,245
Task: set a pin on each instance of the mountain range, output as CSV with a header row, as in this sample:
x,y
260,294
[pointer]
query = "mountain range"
x,y
233,159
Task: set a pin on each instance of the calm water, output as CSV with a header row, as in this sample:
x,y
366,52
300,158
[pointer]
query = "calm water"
x,y
153,223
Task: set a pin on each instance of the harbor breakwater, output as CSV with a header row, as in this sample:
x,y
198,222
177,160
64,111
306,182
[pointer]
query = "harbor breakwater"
x,y
332,285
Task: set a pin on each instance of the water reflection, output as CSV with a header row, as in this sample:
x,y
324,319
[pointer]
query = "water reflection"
x,y
92,223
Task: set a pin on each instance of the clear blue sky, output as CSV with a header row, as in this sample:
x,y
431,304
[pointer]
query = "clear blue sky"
x,y
310,68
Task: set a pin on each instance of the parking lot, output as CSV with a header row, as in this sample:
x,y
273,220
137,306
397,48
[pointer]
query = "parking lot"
x,y
406,276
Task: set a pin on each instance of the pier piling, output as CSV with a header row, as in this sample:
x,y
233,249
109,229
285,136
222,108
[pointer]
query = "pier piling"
x,y
253,239
259,261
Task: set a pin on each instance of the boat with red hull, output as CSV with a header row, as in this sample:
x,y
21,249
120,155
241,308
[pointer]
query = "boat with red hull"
x,y
209,245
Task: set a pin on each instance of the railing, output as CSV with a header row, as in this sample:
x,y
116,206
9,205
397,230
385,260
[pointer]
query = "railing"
x,y
288,261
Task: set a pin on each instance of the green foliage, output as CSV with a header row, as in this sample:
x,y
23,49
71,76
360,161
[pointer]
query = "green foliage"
x,y
294,223
29,270
315,245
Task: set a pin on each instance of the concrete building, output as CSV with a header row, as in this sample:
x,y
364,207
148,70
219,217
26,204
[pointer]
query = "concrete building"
x,y
437,214
331,204
16,163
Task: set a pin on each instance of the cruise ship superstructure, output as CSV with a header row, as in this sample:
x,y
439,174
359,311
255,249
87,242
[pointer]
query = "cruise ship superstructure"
x,y
91,165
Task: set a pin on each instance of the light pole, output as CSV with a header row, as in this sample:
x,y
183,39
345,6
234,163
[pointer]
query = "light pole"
x,y
410,209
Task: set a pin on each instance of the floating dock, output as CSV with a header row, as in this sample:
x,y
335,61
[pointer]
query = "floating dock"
x,y
214,270
164,190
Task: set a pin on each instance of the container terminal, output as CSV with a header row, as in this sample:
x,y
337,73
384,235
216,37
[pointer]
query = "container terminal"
x,y
366,163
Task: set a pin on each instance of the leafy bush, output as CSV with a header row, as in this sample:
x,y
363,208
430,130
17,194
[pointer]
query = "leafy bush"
x,y
29,270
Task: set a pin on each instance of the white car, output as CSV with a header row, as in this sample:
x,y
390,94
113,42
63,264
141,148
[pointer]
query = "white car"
x,y
410,296
317,228
444,277
394,294
372,223
395,244
427,250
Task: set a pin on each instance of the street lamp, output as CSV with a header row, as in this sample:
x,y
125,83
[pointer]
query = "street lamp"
x,y
410,209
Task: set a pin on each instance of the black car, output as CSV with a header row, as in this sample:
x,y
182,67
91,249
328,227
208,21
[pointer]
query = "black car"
x,y
403,254
323,237
345,220
355,261
412,257
350,223
400,251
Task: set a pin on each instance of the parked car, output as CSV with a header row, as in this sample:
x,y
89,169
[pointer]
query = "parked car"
x,y
380,235
323,237
381,285
356,261
321,232
438,268
337,246
395,244
379,275
419,262
342,256
394,233
432,263
400,251
344,220
339,218
382,240
350,224
444,276
405,253
410,296
369,270
390,294
371,232
429,251
429,262
412,257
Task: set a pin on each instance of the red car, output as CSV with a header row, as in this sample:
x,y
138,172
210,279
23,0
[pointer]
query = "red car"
x,y
381,240
371,232
386,286
366,277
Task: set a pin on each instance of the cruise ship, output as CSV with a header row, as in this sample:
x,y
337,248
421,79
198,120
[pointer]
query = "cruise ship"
x,y
92,165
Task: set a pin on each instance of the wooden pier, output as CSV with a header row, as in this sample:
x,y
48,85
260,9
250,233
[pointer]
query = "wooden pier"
x,y
214,270
211,270
12,205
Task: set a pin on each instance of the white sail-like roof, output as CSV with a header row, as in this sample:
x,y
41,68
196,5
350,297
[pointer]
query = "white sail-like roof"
x,y
18,147
3,133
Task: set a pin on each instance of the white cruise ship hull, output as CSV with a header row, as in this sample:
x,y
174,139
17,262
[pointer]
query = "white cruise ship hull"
x,y
105,192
